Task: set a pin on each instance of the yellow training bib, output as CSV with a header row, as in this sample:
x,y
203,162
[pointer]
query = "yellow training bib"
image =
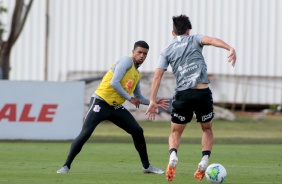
x,y
128,83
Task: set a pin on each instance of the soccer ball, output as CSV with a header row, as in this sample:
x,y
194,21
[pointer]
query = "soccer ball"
x,y
215,173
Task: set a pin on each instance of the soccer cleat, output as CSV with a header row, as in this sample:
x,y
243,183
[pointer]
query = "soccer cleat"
x,y
171,167
200,172
63,170
152,169
199,175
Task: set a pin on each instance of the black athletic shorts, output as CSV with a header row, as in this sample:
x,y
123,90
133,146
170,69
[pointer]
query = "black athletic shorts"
x,y
186,103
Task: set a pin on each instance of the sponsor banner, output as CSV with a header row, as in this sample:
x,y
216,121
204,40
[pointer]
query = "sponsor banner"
x,y
33,110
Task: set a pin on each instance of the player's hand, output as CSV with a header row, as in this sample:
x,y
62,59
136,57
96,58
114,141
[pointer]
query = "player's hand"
x,y
135,101
163,103
152,110
232,57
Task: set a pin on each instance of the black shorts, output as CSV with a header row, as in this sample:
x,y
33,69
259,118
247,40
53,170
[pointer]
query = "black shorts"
x,y
186,102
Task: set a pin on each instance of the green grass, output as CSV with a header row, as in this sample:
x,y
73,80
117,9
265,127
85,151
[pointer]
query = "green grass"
x,y
118,163
250,151
244,130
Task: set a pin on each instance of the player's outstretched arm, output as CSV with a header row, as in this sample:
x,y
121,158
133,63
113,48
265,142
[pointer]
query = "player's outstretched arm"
x,y
221,44
153,106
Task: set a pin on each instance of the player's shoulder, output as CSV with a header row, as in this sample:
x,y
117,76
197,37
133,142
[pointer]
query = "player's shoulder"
x,y
125,58
196,39
126,61
196,36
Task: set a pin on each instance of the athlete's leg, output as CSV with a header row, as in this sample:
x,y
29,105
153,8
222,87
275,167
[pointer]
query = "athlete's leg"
x,y
204,114
207,136
174,143
124,119
207,144
94,116
175,135
182,113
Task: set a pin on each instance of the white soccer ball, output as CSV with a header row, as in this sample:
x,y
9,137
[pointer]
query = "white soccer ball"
x,y
215,173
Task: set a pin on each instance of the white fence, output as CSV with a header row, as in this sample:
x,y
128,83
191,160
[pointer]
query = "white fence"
x,y
87,36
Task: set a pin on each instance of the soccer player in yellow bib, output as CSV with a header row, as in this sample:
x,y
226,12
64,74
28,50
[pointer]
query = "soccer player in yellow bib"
x,y
117,86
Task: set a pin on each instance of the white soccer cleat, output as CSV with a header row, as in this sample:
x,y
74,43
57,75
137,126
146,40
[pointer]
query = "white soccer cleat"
x,y
63,170
173,160
171,167
202,166
152,169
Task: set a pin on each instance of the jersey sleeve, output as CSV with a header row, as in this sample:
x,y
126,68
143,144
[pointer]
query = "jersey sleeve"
x,y
119,70
163,62
137,93
199,38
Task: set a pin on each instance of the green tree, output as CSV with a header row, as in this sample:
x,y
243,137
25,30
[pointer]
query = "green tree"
x,y
20,13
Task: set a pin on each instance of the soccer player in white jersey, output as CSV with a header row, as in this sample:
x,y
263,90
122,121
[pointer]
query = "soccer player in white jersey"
x,y
192,93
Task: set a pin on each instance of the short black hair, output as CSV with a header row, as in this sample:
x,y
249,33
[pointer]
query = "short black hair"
x,y
142,44
180,24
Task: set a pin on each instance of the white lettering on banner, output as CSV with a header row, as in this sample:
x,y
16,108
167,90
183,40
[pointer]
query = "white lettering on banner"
x,y
208,116
46,114
36,110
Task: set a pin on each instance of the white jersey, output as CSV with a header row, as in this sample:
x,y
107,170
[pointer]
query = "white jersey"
x,y
184,55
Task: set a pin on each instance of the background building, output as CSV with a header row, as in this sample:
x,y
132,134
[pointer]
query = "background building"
x,y
75,39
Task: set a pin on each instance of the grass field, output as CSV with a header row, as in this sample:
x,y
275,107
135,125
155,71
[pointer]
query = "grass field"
x,y
249,150
243,130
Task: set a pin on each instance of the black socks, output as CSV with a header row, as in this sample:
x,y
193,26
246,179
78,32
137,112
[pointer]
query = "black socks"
x,y
207,152
172,149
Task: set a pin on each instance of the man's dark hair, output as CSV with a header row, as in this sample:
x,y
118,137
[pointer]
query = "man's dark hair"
x,y
180,24
142,44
